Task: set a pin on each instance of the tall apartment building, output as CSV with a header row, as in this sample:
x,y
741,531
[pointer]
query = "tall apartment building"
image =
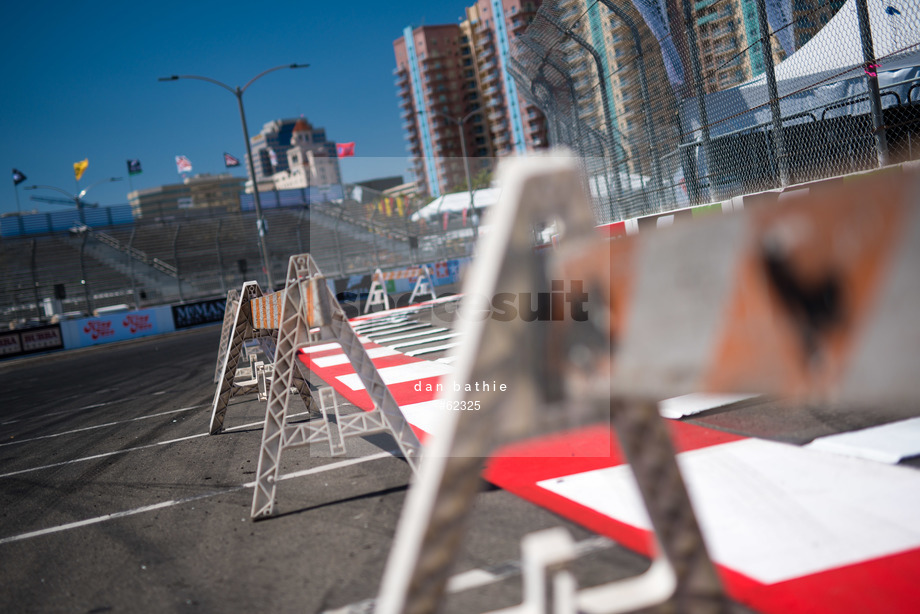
x,y
728,34
615,74
448,73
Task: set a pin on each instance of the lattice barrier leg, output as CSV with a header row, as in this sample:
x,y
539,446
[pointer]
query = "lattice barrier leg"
x,y
308,303
424,286
240,331
226,330
377,295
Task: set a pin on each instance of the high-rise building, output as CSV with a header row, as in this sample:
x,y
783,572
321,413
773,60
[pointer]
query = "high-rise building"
x,y
291,153
457,95
608,87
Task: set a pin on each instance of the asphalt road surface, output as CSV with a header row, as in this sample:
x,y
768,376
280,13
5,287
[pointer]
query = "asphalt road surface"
x,y
114,499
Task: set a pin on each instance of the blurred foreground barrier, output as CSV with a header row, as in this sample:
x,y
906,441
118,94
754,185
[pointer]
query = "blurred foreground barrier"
x,y
813,296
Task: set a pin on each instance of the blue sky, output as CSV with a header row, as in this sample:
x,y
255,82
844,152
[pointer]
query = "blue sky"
x,y
80,81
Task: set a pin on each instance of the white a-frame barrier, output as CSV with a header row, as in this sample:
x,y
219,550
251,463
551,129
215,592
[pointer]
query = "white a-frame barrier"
x,y
377,295
424,287
543,368
240,325
309,313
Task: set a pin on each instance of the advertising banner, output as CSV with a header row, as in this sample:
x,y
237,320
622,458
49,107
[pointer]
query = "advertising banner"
x,y
114,327
200,312
10,344
30,340
38,339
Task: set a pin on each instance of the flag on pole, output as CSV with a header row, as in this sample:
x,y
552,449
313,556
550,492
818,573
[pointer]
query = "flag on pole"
x,y
79,168
344,150
134,167
183,165
18,177
230,161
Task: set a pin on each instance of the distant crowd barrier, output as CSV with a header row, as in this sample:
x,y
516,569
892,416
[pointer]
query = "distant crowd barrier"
x,y
57,221
415,281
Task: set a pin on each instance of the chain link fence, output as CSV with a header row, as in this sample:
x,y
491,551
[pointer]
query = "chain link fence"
x,y
682,102
203,252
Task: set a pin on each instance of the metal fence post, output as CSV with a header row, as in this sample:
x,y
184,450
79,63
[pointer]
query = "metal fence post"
x,y
779,142
38,306
86,292
693,52
643,89
131,267
176,260
871,70
602,78
220,259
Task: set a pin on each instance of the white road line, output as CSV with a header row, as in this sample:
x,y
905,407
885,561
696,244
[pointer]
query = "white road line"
x,y
412,336
104,518
341,359
174,502
475,578
694,403
325,347
886,443
99,426
424,341
151,445
399,329
412,371
376,328
71,411
436,348
773,511
103,455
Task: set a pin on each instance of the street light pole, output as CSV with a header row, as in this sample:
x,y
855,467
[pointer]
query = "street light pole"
x,y
257,201
76,198
466,161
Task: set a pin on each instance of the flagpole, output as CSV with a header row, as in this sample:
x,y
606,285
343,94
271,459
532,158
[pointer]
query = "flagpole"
x,y
16,190
260,221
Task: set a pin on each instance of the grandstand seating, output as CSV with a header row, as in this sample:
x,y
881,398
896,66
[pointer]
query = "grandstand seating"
x,y
203,253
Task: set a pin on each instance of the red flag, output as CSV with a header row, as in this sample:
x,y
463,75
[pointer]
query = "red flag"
x,y
446,217
464,217
344,150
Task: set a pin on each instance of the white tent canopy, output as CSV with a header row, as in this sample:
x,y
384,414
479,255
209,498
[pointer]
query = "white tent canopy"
x,y
457,202
826,70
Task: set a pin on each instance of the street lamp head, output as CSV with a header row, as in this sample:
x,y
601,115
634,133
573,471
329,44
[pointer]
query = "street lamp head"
x,y
172,78
299,66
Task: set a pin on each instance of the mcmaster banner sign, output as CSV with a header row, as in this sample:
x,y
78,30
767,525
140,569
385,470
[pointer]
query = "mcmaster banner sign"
x,y
201,312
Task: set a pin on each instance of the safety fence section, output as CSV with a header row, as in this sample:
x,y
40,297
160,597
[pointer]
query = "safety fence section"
x,y
670,104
